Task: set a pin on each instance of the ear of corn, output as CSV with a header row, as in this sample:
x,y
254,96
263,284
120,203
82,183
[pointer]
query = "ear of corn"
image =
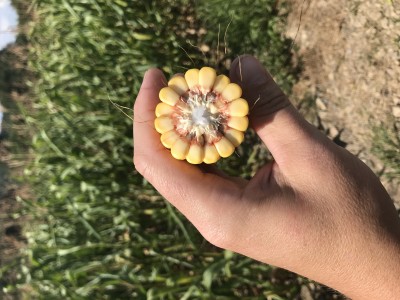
x,y
201,116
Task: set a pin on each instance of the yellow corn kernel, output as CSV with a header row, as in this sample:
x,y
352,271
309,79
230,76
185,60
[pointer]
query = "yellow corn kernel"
x,y
195,154
207,77
232,92
224,147
236,137
169,138
220,83
180,148
169,96
192,77
238,108
163,124
211,154
163,109
238,123
178,84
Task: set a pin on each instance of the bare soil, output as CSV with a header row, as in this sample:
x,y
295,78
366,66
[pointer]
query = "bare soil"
x,y
350,52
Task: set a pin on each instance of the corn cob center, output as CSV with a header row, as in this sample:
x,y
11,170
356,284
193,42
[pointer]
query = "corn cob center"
x,y
198,118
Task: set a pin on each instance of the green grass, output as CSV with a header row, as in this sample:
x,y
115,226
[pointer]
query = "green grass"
x,y
98,229
387,148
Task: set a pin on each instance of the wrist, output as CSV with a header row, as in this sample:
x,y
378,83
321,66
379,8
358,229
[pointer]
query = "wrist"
x,y
372,272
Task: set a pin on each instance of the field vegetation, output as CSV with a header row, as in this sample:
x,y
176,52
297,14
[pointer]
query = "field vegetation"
x,y
94,227
99,229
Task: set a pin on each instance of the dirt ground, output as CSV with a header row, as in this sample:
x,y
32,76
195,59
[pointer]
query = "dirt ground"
x,y
351,56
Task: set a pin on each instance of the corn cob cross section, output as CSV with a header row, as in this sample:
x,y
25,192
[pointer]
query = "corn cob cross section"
x,y
201,116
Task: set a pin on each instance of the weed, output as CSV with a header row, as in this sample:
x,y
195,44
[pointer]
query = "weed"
x,y
387,148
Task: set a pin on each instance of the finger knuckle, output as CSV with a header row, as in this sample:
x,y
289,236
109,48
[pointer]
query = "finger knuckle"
x,y
141,165
218,235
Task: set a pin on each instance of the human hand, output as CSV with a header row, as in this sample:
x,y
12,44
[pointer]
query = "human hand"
x,y
315,210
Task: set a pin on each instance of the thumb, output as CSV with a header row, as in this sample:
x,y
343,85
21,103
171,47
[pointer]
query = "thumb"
x,y
284,131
